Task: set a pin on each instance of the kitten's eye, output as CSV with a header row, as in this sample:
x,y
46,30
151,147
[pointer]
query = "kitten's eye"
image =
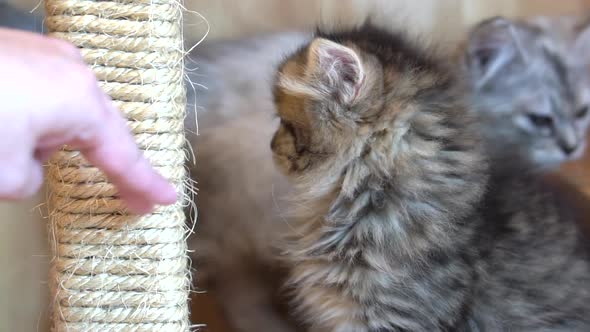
x,y
541,120
582,111
484,57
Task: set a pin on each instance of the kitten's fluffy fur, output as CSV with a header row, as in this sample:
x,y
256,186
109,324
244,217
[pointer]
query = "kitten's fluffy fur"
x,y
238,218
239,200
239,188
233,77
397,227
530,85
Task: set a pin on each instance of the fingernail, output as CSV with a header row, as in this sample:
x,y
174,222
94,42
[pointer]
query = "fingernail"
x,y
169,194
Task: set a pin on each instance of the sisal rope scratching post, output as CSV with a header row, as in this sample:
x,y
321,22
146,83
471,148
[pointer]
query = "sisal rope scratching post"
x,y
113,271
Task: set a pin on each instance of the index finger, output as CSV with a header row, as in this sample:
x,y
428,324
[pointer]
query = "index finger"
x,y
113,150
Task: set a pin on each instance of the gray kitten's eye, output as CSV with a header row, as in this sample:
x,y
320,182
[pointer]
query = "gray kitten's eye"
x,y
540,120
582,111
484,57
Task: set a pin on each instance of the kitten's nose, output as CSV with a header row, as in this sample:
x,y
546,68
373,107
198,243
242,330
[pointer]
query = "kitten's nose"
x,y
567,139
569,147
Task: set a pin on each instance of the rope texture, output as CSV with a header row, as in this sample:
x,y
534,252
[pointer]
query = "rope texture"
x,y
113,271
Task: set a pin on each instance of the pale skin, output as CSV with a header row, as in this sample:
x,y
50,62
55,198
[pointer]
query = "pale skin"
x,y
50,98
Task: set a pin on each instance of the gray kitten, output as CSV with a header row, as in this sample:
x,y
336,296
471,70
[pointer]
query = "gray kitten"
x,y
398,223
531,88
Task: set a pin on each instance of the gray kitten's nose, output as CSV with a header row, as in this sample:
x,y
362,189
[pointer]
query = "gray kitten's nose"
x,y
568,148
567,138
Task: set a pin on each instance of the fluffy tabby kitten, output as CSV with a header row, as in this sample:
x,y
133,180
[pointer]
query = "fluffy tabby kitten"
x,y
399,224
530,85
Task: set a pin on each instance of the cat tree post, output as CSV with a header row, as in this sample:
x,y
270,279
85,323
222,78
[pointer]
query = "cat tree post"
x,y
113,271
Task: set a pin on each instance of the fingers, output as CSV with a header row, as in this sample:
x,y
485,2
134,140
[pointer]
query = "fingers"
x,y
31,42
102,136
114,151
18,183
67,49
43,154
90,122
57,100
20,175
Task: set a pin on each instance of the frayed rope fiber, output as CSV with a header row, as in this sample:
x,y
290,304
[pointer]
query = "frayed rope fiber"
x,y
113,271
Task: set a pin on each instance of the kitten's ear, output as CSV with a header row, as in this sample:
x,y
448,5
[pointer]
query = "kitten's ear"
x,y
337,68
582,42
491,45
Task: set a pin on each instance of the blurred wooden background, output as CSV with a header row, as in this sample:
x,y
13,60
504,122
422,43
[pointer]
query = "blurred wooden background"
x,y
23,249
444,19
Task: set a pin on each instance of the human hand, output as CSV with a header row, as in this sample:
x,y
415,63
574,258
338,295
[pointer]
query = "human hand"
x,y
50,98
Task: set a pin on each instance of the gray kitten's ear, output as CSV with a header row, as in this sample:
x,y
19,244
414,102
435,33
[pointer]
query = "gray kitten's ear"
x,y
491,45
337,68
582,41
